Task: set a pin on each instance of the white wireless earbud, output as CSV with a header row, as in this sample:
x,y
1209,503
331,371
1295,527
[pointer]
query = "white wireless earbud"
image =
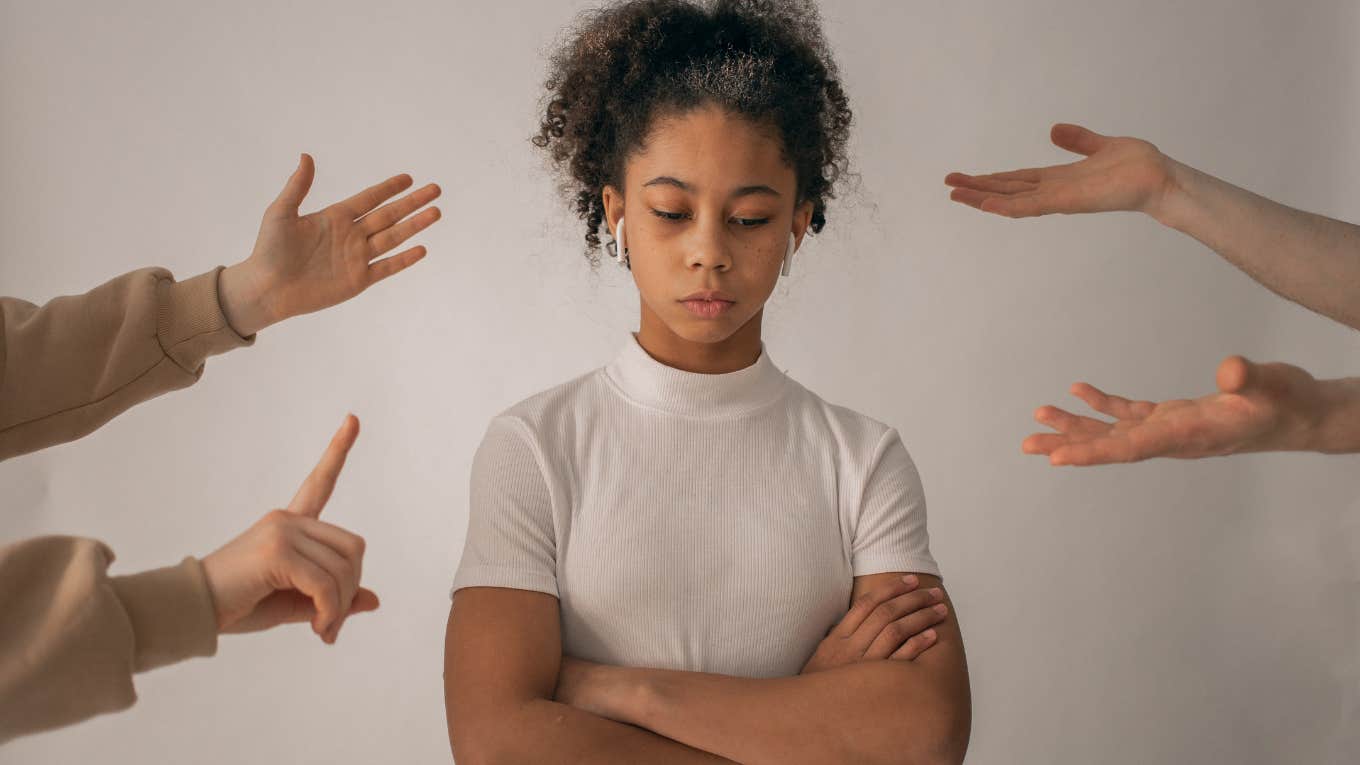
x,y
620,246
788,255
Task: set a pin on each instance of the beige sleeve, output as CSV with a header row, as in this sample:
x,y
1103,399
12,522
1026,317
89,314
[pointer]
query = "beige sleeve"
x,y
71,636
72,365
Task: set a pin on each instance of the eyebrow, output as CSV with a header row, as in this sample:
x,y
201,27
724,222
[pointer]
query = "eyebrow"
x,y
666,180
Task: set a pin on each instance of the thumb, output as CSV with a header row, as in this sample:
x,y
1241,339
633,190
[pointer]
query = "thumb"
x,y
1236,374
296,187
1076,138
364,600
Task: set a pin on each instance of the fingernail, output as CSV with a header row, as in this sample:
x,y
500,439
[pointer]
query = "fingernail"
x,y
928,635
909,579
937,592
941,609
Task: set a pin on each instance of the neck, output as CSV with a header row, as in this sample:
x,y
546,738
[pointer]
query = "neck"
x,y
738,351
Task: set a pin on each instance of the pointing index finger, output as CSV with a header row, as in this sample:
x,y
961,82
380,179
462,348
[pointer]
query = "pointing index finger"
x,y
311,497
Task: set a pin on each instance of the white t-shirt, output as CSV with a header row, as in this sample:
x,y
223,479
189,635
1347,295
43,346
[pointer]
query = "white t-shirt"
x,y
709,523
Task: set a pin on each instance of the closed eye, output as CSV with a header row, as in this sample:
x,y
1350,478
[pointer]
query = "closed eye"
x,y
662,214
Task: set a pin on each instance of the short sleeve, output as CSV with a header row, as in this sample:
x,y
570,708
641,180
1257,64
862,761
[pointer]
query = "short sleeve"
x,y
890,534
510,536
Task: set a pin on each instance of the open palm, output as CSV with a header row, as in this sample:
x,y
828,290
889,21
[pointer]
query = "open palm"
x,y
304,263
1258,407
1117,174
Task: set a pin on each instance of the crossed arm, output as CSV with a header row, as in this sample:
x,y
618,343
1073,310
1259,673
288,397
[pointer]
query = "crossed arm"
x,y
512,697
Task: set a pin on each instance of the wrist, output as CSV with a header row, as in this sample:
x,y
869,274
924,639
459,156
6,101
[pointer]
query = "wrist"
x,y
242,294
617,693
211,582
1172,204
1334,427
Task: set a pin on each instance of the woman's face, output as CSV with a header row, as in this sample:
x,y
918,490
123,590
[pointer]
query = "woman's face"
x,y
708,207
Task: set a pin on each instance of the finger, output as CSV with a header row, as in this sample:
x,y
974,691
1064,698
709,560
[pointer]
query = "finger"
x,y
341,571
890,611
381,269
1044,443
897,633
1030,175
344,543
1078,139
290,606
316,489
1114,406
916,646
1102,451
1025,205
996,184
868,601
312,580
388,214
360,204
391,237
296,187
970,197
1064,421
1235,374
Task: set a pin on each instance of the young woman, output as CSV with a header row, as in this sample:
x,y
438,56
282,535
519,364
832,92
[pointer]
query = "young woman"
x,y
686,556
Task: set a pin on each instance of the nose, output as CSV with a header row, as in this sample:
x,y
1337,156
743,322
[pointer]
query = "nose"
x,y
709,250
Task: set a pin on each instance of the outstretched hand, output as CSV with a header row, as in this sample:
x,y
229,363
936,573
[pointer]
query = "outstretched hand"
x,y
304,263
291,566
1258,407
1116,174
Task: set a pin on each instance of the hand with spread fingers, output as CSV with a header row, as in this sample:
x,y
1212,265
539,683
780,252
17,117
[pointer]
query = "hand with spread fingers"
x,y
291,566
304,263
1258,407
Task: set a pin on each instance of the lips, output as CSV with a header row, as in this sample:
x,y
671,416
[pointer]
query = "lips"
x,y
707,309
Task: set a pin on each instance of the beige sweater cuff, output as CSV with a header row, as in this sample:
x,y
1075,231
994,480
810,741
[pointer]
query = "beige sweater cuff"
x,y
172,614
190,323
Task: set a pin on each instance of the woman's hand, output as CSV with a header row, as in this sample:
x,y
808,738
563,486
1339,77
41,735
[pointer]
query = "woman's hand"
x,y
1117,174
305,263
1259,407
290,566
891,623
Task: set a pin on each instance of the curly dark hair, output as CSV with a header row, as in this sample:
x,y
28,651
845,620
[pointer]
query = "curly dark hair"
x,y
627,63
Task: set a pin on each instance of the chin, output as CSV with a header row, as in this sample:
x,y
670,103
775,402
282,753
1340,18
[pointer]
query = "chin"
x,y
706,332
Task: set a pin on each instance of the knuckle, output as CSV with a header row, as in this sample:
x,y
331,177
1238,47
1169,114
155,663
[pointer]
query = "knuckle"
x,y
900,631
883,611
866,601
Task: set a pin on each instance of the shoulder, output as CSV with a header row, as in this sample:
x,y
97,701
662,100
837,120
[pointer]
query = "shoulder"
x,y
852,430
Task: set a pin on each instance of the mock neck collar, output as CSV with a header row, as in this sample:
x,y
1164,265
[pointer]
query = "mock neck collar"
x,y
650,383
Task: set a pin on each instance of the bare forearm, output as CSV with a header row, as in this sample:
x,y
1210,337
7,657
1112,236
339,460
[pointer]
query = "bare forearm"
x,y
1309,259
871,712
549,732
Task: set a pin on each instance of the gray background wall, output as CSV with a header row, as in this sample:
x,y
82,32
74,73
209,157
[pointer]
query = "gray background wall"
x,y
1165,612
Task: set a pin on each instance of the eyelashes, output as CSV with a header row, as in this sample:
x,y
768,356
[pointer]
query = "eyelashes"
x,y
675,217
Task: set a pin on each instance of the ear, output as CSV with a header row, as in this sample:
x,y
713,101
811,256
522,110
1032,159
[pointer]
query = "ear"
x,y
613,208
802,219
